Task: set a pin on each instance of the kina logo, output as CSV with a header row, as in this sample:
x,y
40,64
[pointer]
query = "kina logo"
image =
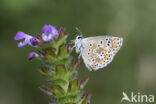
x,y
137,97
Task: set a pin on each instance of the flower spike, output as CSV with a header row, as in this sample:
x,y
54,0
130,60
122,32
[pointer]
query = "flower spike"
x,y
59,67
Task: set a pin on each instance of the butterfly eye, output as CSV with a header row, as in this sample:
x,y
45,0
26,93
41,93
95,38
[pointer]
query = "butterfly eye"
x,y
79,37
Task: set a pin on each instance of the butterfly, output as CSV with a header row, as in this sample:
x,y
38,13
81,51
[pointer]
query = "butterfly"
x,y
97,52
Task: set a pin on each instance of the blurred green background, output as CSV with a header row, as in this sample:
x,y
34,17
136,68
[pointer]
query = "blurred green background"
x,y
132,70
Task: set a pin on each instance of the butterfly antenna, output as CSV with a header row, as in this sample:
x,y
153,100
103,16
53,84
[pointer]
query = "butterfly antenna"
x,y
72,41
79,32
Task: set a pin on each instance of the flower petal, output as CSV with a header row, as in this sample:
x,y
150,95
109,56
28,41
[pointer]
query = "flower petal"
x,y
32,55
54,31
47,29
21,44
20,35
34,42
47,38
49,32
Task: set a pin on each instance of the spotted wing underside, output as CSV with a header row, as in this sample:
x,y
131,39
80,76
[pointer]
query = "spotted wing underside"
x,y
99,51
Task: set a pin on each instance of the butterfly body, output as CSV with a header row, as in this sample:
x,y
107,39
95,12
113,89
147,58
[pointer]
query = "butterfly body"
x,y
97,52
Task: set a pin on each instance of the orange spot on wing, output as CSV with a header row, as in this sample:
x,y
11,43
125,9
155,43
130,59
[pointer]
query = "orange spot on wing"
x,y
93,64
115,38
99,61
106,50
103,59
106,57
115,43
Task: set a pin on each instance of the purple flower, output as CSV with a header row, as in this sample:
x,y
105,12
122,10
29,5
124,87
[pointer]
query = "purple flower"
x,y
32,41
49,32
32,55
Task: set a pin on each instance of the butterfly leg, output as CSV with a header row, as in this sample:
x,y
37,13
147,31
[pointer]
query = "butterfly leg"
x,y
80,54
72,47
72,41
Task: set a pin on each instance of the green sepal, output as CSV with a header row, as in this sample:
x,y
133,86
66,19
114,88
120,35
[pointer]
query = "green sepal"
x,y
60,82
60,71
85,99
62,37
45,71
57,91
49,51
50,55
53,43
64,61
83,83
46,90
69,99
73,87
64,51
75,64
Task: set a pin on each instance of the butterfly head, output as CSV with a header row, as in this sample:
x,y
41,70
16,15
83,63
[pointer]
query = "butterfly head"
x,y
78,43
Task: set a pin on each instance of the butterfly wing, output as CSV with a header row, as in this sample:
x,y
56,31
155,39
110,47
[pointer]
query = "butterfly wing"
x,y
99,51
